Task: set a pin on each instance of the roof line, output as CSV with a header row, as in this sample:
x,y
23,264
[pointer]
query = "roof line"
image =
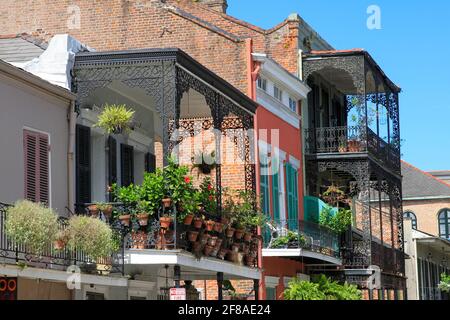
x,y
426,174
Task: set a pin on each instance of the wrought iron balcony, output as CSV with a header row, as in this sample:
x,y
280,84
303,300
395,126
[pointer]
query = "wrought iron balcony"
x,y
350,140
294,234
15,253
209,237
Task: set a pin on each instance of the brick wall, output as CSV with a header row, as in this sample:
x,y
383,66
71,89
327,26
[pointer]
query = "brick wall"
x,y
427,212
210,290
209,36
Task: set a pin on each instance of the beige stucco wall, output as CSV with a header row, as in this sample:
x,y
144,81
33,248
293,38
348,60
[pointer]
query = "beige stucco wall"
x,y
32,289
426,212
23,105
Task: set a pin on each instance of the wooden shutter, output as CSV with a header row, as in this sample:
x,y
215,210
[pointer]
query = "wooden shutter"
x,y
36,162
83,164
292,195
127,164
112,161
276,196
150,162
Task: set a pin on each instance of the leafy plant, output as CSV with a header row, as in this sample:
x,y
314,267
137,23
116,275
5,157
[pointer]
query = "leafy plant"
x,y
292,239
303,290
32,224
243,207
129,196
115,118
444,285
207,196
321,288
152,190
338,222
92,236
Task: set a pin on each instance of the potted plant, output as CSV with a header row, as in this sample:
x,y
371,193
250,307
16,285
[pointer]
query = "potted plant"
x,y
105,208
342,147
143,212
92,236
209,225
124,216
190,205
139,240
93,210
192,236
208,250
205,163
198,222
222,253
32,224
165,222
62,238
230,232
115,119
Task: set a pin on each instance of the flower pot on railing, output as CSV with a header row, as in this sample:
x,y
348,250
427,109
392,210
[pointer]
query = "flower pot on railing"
x,y
204,238
224,220
188,219
125,220
354,146
209,225
212,241
248,236
250,260
139,240
165,222
142,219
239,234
192,236
218,227
93,210
208,249
198,222
167,202
222,253
230,232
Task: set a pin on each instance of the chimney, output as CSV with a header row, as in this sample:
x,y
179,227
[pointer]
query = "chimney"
x,y
217,5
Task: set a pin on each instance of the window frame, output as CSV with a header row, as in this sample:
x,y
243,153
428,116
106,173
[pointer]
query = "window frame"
x,y
261,83
278,90
412,215
295,104
446,223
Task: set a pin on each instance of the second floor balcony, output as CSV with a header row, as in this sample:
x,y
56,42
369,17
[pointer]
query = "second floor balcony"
x,y
346,140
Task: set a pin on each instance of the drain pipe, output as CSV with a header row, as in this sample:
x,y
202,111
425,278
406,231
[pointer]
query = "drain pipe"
x,y
71,158
253,70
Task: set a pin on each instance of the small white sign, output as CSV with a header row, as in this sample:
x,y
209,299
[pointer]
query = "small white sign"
x,y
177,294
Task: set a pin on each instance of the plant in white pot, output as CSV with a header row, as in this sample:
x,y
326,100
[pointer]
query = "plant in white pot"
x,y
33,225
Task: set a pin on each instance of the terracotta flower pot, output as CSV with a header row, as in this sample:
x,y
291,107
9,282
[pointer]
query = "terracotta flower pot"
x,y
222,253
125,219
192,236
212,241
224,220
93,210
108,211
250,261
207,250
209,225
188,219
142,219
167,202
239,234
197,247
218,227
235,247
165,222
139,240
219,243
230,232
198,223
204,238
248,236
59,244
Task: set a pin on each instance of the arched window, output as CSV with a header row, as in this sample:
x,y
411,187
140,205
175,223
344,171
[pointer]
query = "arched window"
x,y
412,216
444,223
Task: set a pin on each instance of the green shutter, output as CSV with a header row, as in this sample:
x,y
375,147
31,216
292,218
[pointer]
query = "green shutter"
x,y
292,193
265,194
276,197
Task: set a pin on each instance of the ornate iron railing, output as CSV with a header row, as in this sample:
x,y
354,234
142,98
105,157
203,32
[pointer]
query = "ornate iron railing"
x,y
15,253
294,234
351,139
214,243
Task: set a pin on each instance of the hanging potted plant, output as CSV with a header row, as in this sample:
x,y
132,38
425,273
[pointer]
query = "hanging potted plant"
x,y
115,119
203,162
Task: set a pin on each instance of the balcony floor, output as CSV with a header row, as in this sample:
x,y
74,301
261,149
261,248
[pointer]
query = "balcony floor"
x,y
297,253
191,267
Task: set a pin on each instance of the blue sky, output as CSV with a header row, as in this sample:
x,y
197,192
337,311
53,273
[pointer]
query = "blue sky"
x,y
413,48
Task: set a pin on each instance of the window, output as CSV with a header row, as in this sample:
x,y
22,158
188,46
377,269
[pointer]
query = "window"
x,y
83,164
94,296
264,184
444,224
276,196
412,216
271,294
36,163
292,195
277,93
127,164
262,84
293,104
